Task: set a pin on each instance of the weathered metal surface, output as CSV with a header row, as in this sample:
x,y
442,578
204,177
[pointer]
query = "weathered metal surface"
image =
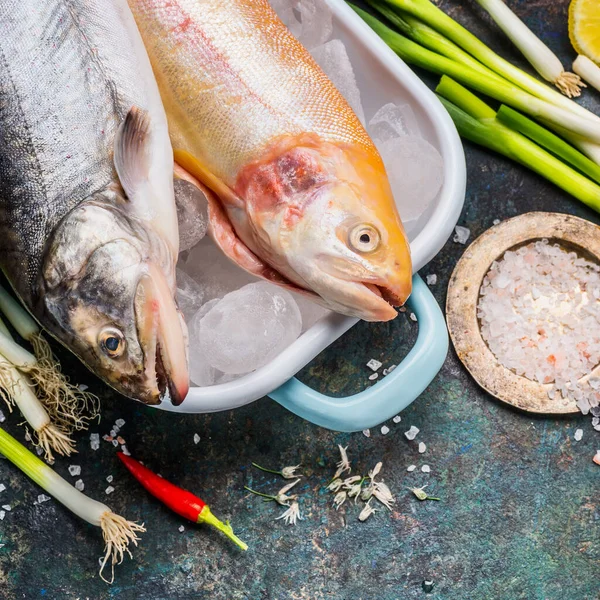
x,y
463,298
519,513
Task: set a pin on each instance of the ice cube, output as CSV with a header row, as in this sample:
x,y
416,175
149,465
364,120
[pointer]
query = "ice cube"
x,y
316,20
311,311
333,60
393,121
201,372
192,213
249,327
213,271
416,172
189,294
290,17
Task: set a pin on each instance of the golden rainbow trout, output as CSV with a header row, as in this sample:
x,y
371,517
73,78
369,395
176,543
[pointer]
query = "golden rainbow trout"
x,y
303,196
89,234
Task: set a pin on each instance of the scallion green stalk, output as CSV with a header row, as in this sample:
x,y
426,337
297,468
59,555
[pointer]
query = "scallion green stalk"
x,y
548,140
588,70
541,58
494,135
507,93
118,533
436,18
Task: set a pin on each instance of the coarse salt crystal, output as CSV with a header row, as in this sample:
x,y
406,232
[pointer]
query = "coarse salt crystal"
x,y
79,485
2,515
109,490
94,441
496,222
422,448
113,433
385,430
412,317
411,468
82,387
125,450
397,419
120,440
388,370
39,451
109,479
6,507
181,529
578,435
374,365
196,438
119,423
373,377
42,498
411,434
2,487
115,443
426,469
2,417
431,279
366,432
74,470
462,234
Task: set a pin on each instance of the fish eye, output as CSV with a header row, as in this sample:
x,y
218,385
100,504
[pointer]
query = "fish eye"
x,y
364,238
112,342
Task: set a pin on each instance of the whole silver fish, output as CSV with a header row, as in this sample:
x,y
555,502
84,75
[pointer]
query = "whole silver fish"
x,y
88,226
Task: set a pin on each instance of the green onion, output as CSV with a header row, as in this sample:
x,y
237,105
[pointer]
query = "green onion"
x,y
436,18
118,533
67,405
494,135
541,58
507,93
548,140
588,70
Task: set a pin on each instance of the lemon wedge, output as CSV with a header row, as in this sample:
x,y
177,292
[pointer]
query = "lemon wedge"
x,y
584,28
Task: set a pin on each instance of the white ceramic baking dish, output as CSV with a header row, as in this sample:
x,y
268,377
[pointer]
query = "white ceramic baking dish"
x,y
382,77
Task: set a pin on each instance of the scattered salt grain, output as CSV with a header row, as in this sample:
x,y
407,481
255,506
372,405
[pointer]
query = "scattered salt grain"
x,y
374,365
385,430
397,419
373,377
74,470
2,514
119,423
109,479
496,222
181,529
39,451
2,487
422,448
125,450
94,441
411,434
120,440
109,490
578,435
388,370
114,432
6,507
79,485
43,498
426,469
196,438
411,468
462,234
412,317
82,387
27,436
2,417
115,443
366,433
431,279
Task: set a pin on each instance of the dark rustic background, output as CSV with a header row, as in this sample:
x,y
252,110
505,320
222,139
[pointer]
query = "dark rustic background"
x,y
519,514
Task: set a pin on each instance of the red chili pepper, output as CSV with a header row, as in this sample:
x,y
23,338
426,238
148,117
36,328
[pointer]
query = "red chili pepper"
x,y
181,501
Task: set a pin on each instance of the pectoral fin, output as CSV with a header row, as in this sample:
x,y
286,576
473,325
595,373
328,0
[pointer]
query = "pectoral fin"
x,y
132,154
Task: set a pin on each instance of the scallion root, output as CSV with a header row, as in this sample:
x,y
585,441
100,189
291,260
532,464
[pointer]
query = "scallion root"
x,y
7,384
67,405
118,533
569,84
51,438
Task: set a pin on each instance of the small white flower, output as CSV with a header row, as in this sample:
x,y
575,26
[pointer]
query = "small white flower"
x,y
351,480
290,472
367,492
339,499
419,492
281,496
373,473
335,485
292,515
344,465
383,493
366,512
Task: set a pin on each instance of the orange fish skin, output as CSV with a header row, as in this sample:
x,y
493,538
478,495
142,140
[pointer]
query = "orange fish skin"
x,y
254,118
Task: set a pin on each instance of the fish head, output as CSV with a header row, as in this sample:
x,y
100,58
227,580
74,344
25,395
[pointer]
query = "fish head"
x,y
107,293
334,229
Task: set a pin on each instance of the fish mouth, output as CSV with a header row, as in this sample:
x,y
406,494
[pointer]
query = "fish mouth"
x,y
381,300
163,340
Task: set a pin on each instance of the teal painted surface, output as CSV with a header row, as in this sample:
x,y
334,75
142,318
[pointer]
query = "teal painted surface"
x,y
519,517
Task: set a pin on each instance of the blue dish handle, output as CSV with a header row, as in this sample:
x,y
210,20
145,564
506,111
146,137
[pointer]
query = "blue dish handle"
x,y
394,392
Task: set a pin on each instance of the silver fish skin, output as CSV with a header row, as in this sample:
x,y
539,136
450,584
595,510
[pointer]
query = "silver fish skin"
x,y
88,225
